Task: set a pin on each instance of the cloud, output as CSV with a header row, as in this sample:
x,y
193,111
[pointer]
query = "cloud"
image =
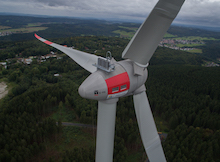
x,y
203,12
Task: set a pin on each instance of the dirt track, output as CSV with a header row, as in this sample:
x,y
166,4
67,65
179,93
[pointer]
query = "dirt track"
x,y
3,89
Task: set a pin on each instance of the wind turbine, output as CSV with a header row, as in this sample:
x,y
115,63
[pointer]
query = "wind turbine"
x,y
111,79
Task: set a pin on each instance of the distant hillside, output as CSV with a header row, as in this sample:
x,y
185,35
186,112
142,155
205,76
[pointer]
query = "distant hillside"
x,y
190,31
55,27
21,21
20,28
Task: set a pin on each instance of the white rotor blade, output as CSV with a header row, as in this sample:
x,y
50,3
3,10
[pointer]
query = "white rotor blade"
x,y
148,130
82,58
105,131
145,41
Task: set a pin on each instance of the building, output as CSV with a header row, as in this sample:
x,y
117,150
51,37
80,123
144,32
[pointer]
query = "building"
x,y
4,64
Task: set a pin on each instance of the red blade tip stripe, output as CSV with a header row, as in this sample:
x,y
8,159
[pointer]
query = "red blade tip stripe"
x,y
46,41
37,36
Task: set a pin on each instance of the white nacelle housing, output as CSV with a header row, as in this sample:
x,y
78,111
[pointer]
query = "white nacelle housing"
x,y
102,85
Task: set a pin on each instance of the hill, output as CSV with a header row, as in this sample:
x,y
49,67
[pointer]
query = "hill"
x,y
20,28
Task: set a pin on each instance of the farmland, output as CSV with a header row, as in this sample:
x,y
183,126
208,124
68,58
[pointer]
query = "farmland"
x,y
22,30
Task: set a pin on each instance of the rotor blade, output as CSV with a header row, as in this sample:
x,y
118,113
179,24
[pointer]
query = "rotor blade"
x,y
82,58
148,130
145,41
105,131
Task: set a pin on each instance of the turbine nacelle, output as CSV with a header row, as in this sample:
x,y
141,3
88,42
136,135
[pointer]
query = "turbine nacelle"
x,y
123,81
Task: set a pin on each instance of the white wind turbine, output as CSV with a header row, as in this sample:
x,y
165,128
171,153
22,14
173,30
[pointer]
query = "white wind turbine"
x,y
111,79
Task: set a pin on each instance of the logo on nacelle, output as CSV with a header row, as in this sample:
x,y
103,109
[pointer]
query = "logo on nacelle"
x,y
96,92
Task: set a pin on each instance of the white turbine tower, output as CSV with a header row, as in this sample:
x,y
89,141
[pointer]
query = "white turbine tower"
x,y
111,79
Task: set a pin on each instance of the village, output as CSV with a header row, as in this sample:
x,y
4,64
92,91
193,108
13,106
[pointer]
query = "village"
x,y
173,44
5,33
29,60
40,59
169,43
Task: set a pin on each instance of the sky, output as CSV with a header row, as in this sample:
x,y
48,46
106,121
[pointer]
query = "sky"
x,y
193,12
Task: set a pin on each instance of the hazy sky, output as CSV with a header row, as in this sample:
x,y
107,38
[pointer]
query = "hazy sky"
x,y
197,12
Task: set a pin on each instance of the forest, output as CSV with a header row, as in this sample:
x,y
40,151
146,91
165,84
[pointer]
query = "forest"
x,y
184,98
182,94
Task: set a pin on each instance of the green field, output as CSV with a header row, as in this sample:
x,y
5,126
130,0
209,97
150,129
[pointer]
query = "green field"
x,y
168,35
196,38
129,35
129,28
195,51
24,30
124,34
189,45
31,27
4,27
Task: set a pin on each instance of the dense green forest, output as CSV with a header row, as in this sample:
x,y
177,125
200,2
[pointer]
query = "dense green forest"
x,y
183,95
